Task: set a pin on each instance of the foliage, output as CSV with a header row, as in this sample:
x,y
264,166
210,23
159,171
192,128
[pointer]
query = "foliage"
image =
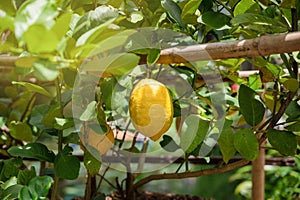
x,y
46,95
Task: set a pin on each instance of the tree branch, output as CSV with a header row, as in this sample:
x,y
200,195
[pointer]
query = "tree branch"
x,y
261,46
189,174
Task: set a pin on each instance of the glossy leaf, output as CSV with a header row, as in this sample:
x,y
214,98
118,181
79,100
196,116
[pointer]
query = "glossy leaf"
x,y
101,17
293,126
63,123
90,112
61,25
214,19
283,141
91,163
38,188
246,6
31,12
259,23
10,192
115,64
251,108
37,114
168,144
255,81
66,165
193,132
190,8
45,70
33,88
246,143
25,175
291,84
153,56
8,6
40,40
33,150
173,10
293,110
226,143
25,61
21,131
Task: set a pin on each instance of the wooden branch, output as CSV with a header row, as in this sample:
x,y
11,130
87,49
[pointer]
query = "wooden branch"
x,y
190,174
261,46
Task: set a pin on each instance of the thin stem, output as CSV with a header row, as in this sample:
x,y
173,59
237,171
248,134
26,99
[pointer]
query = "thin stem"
x,y
106,180
190,174
60,137
159,70
28,107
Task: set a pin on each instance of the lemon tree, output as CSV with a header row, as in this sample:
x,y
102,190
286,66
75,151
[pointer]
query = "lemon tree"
x,y
63,61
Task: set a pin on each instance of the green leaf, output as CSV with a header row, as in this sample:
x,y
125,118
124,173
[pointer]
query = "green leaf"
x,y
91,163
99,19
69,75
226,143
255,81
45,70
214,19
20,131
40,185
294,126
26,62
63,123
259,23
38,188
10,168
90,112
66,165
25,194
246,143
291,84
33,150
153,56
33,88
285,142
35,12
293,110
37,114
173,10
168,144
251,108
8,6
269,101
190,8
61,26
25,175
40,40
117,64
193,132
276,70
92,34
6,23
246,6
10,192
49,117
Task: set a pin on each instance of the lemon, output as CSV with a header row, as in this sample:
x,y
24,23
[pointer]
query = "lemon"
x,y
151,108
99,142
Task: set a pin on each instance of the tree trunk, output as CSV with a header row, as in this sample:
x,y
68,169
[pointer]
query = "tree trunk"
x,y
258,176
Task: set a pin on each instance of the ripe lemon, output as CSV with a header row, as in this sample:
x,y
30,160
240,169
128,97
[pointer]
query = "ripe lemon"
x,y
99,142
151,108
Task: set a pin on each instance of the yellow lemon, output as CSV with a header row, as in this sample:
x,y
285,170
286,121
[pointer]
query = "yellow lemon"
x,y
99,142
151,108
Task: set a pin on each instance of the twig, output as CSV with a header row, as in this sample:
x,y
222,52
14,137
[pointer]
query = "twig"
x,y
189,174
